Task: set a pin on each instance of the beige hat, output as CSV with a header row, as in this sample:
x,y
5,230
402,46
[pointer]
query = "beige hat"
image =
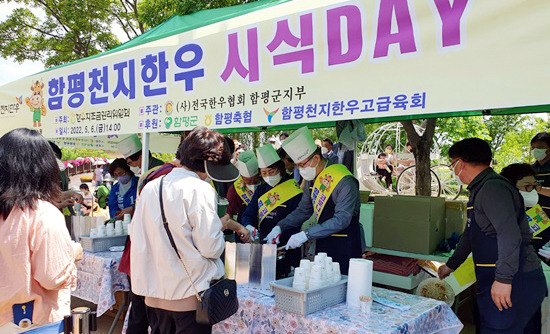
x,y
267,156
247,164
300,145
129,145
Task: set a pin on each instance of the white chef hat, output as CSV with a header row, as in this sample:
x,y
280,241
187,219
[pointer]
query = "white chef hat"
x,y
267,156
247,164
129,146
300,145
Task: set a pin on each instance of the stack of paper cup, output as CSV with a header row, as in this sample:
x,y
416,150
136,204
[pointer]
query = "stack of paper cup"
x,y
125,226
93,232
110,229
359,281
101,231
316,278
329,270
118,227
127,218
299,281
336,276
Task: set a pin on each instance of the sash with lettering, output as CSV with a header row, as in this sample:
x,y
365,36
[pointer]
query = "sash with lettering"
x,y
277,196
242,190
324,185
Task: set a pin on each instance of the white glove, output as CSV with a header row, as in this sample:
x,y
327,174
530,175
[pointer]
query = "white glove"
x,y
253,232
544,253
274,236
296,240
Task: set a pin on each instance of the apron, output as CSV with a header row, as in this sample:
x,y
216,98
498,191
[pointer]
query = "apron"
x,y
341,246
527,288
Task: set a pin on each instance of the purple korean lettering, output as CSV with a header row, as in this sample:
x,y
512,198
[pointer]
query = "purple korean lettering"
x,y
127,90
153,67
284,35
100,83
234,62
76,88
190,75
56,86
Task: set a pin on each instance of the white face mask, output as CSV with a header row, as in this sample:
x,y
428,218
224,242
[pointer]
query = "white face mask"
x,y
324,150
272,180
108,185
135,170
252,187
530,198
457,176
309,173
539,153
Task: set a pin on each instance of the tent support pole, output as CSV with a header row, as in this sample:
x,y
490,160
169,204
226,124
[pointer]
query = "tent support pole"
x,y
145,152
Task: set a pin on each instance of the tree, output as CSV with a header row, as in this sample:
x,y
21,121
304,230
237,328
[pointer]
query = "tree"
x,y
154,12
73,29
499,126
452,129
69,30
422,145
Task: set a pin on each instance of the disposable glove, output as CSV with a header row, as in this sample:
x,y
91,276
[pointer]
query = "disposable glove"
x,y
274,236
544,253
296,240
253,232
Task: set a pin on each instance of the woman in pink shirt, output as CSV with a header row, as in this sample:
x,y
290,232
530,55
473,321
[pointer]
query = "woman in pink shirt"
x,y
37,256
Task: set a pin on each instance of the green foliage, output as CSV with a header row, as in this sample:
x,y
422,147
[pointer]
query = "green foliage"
x,y
69,30
155,12
516,145
73,153
453,129
166,157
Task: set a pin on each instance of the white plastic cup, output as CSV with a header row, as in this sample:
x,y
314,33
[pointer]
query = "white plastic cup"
x,y
300,272
93,232
118,224
127,218
306,264
337,276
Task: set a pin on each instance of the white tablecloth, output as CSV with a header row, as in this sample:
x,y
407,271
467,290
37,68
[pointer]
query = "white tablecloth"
x,y
99,279
258,314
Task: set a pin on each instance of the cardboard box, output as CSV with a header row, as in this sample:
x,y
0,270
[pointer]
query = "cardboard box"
x,y
366,218
414,224
456,216
364,195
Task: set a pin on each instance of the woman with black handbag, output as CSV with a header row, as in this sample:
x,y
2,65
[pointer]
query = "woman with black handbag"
x,y
177,241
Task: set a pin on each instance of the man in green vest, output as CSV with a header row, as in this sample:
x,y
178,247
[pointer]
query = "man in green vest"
x,y
331,194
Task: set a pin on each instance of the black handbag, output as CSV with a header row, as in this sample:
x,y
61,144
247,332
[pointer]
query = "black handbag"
x,y
216,303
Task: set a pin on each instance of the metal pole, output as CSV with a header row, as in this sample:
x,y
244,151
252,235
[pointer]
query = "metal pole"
x,y
144,152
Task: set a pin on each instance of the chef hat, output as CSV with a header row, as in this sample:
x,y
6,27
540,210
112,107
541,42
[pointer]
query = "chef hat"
x,y
129,145
267,156
247,164
300,145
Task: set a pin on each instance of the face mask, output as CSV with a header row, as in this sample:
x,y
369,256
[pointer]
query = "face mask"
x,y
388,151
136,170
309,173
108,185
457,176
324,150
530,198
252,187
539,153
124,179
272,180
